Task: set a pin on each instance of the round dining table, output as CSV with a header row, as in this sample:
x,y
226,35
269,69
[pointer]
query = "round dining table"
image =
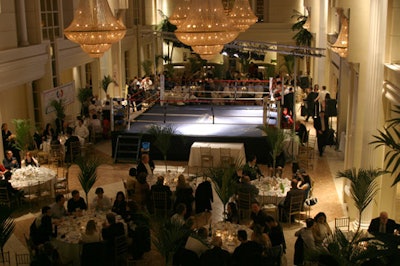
x,y
32,179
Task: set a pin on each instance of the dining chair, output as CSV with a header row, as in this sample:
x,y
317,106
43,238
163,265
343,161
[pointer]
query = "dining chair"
x,y
273,255
244,205
32,195
74,151
7,199
22,259
55,157
295,208
207,159
5,258
343,224
30,245
93,254
120,250
61,186
225,157
160,203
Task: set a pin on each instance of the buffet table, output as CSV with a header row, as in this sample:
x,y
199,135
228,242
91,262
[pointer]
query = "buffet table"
x,y
33,179
237,153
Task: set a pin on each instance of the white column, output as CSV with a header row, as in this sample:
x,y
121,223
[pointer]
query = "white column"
x,y
372,91
21,23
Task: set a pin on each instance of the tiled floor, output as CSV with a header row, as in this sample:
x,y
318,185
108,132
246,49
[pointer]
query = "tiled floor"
x,y
110,175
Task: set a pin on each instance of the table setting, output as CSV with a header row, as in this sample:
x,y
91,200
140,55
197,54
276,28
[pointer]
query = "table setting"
x,y
29,177
228,233
271,189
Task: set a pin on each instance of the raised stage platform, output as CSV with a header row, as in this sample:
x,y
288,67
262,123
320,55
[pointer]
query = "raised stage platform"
x,y
205,123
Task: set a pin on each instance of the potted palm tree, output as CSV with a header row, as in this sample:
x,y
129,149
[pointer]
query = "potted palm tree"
x,y
162,135
23,136
7,226
58,106
107,80
389,138
84,95
88,174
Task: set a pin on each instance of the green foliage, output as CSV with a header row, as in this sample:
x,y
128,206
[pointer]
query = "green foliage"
x,y
105,82
363,187
23,136
303,36
169,237
7,226
88,174
147,67
84,94
389,138
162,135
288,63
59,108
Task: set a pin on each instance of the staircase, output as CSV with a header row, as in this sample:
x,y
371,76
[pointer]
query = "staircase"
x,y
127,149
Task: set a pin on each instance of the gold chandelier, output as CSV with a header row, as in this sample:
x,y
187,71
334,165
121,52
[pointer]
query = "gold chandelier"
x,y
341,44
206,28
94,27
180,13
241,15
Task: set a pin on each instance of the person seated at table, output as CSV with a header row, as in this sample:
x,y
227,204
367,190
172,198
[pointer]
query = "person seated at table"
x,y
260,237
41,230
145,165
251,168
232,214
285,203
29,160
304,182
383,225
301,131
160,187
258,216
111,228
12,192
184,194
197,243
58,210
10,162
216,255
246,187
306,234
248,252
120,204
81,131
3,170
179,216
101,202
275,232
321,229
203,196
76,204
67,144
91,235
46,254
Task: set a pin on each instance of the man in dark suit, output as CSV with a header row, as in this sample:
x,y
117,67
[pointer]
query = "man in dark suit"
x,y
145,165
284,205
215,256
321,126
248,252
246,187
160,187
383,225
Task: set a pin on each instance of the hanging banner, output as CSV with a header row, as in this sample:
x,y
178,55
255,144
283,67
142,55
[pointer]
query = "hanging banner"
x,y
65,93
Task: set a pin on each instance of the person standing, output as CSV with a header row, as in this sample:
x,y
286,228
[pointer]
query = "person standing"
x,y
321,126
321,98
145,165
310,100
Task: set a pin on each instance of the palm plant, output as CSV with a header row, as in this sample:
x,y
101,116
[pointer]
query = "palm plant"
x,y
162,135
23,136
88,174
60,113
169,238
275,138
107,80
363,187
389,137
303,36
84,94
7,226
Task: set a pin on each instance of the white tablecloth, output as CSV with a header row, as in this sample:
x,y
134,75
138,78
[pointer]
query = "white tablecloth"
x,y
271,190
237,152
29,178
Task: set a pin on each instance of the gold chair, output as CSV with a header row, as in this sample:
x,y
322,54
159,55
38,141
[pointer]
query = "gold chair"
x,y
225,157
120,250
74,151
160,203
295,208
7,199
207,160
22,259
62,184
5,258
244,205
343,224
56,155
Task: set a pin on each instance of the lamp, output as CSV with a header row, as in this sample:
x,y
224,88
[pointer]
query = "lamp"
x,y
206,26
341,43
94,27
180,13
241,15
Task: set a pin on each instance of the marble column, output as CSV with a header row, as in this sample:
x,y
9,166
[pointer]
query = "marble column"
x,y
372,97
21,23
